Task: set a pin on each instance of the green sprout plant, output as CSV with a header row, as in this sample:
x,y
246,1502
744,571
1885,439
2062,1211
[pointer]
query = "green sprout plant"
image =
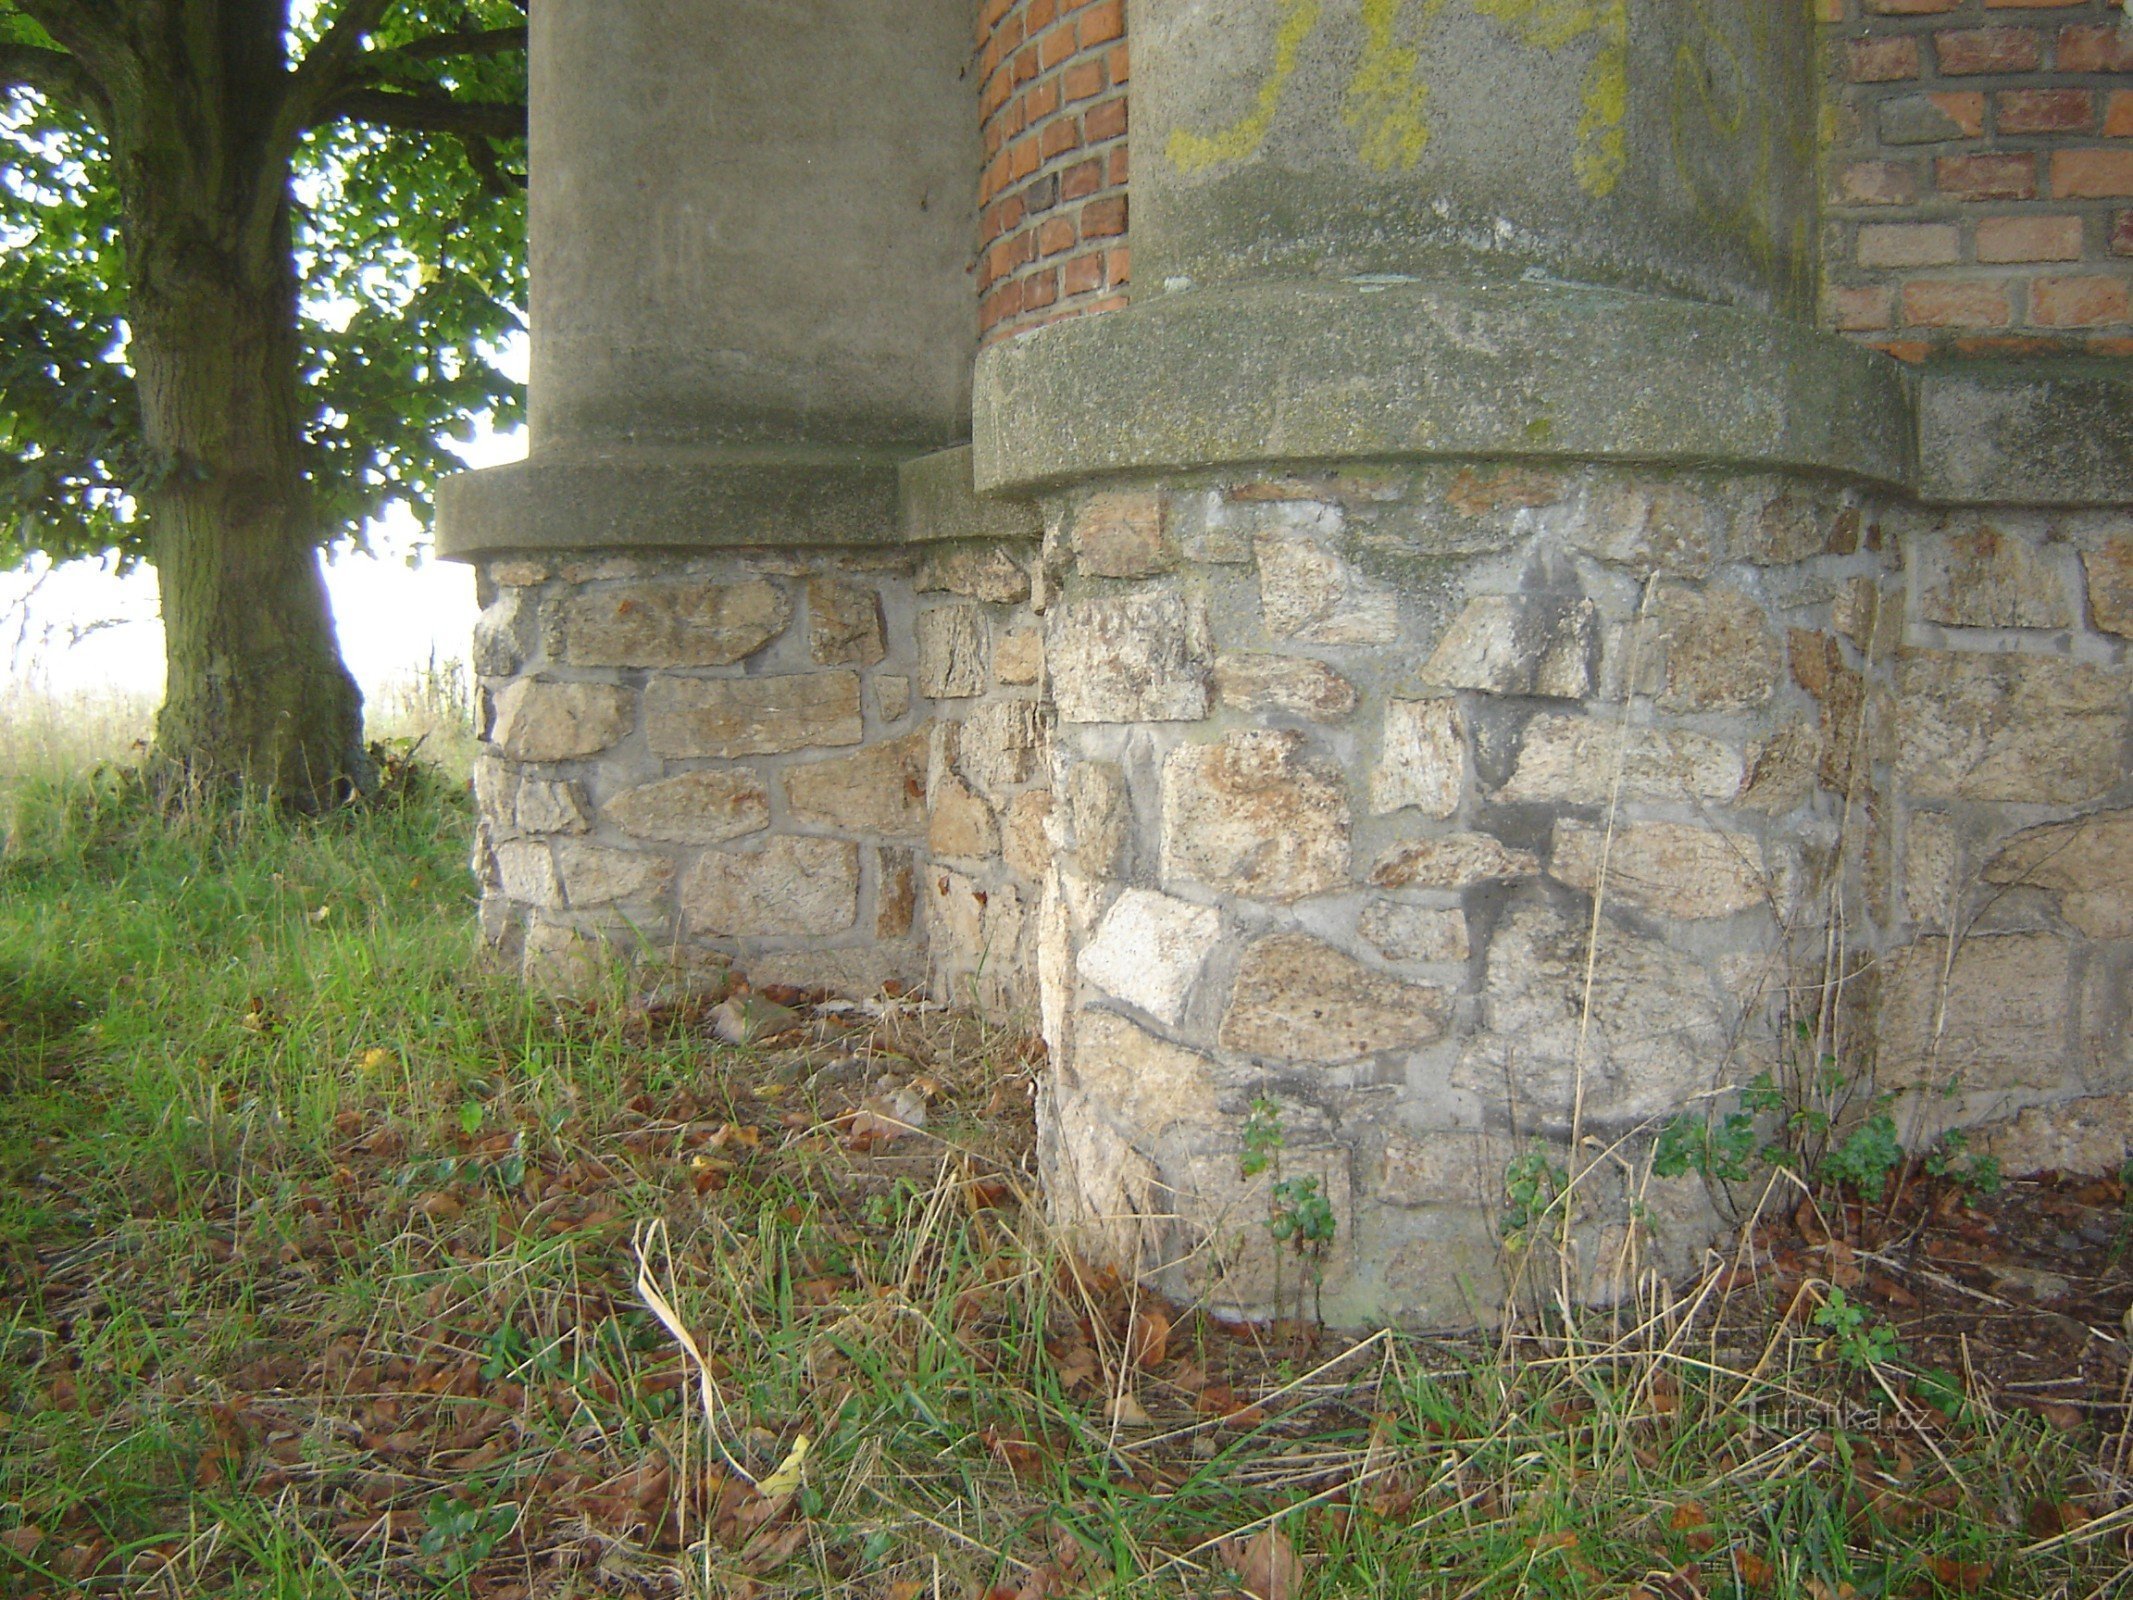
x,y
1299,1214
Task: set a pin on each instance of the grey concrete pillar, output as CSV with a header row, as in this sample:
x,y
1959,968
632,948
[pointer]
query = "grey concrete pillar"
x,y
1372,228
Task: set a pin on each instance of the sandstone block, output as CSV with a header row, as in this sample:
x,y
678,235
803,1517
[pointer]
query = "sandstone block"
x,y
1144,1084
952,652
892,696
959,824
693,808
1981,577
1996,1018
2109,570
1451,861
1254,815
1672,869
1025,842
1228,1256
1421,759
548,805
505,635
1144,658
2089,861
1721,653
1001,746
1309,592
791,888
1656,1035
977,572
1818,666
1440,1168
2009,727
1782,770
1099,815
1401,932
1018,657
1118,533
496,785
1149,950
688,717
1572,760
540,721
2091,1137
895,893
1253,681
1651,527
844,626
599,875
1297,998
880,789
975,938
1518,644
1859,612
673,622
1789,527
526,869
1933,869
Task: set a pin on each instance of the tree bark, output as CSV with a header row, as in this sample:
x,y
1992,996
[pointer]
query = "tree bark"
x,y
256,690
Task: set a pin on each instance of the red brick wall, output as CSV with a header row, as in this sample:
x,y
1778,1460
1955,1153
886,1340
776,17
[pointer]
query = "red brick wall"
x,y
1979,183
1052,197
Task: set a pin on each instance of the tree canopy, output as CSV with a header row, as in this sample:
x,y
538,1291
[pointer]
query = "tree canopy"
x,y
396,130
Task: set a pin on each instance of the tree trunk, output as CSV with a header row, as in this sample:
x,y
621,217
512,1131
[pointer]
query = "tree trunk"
x,y
256,692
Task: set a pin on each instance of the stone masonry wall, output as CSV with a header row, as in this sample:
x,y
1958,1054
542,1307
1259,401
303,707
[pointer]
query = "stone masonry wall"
x,y
1340,761
1979,177
1052,195
748,756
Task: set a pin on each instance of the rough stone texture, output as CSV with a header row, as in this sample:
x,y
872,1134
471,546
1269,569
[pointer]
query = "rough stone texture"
x,y
540,721
1025,842
1980,577
2087,1137
1253,681
959,824
598,875
552,806
526,868
1518,644
791,888
671,623
1139,659
1839,693
892,696
1100,817
1401,932
688,717
1572,760
1255,815
1001,747
1662,527
1674,869
975,937
896,894
977,572
1721,653
844,624
1440,1169
880,789
505,634
1421,758
2009,727
2109,570
1933,869
1782,770
1119,534
1791,527
1226,1254
2088,861
1309,592
1018,657
952,652
693,808
1996,1017
1297,998
1451,861
1149,950
1656,1037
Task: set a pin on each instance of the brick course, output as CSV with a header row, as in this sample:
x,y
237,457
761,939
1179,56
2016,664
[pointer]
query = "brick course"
x,y
1052,194
1980,175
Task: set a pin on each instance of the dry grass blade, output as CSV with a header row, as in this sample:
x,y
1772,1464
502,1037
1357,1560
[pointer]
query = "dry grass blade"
x,y
662,1307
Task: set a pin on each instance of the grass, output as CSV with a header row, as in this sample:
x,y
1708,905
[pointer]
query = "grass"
x,y
331,1264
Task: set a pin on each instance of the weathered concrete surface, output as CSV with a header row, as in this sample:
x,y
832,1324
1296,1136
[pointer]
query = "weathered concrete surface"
x,y
2054,433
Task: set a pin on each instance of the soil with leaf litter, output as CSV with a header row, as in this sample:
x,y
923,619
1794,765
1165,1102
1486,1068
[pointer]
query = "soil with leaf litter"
x,y
444,1366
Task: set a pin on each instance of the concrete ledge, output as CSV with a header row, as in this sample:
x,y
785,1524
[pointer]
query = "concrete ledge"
x,y
2037,433
938,500
1332,371
680,500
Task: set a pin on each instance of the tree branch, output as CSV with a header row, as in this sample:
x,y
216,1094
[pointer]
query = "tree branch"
x,y
54,74
475,42
95,35
326,68
425,113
